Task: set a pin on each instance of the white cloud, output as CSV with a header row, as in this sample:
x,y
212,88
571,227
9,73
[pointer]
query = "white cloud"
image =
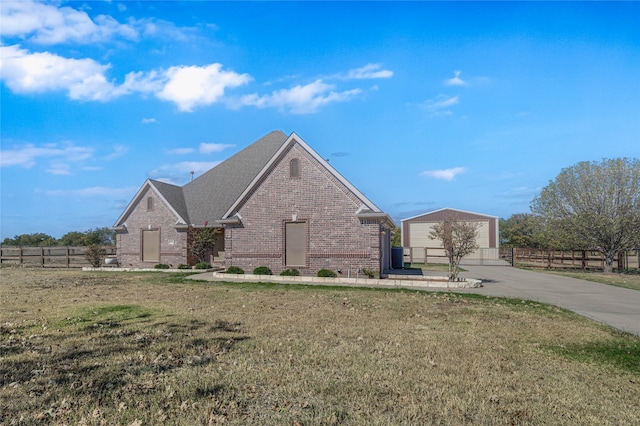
x,y
440,105
204,148
84,79
118,151
208,148
181,151
444,174
301,99
25,72
150,82
48,24
94,191
186,86
191,86
369,71
456,80
26,156
148,120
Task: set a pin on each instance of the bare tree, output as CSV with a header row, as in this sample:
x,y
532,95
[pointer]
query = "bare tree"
x,y
458,238
594,206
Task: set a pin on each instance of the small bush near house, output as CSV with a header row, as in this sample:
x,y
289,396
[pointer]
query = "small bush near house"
x,y
202,265
183,266
234,270
326,273
94,255
370,273
161,266
262,270
290,273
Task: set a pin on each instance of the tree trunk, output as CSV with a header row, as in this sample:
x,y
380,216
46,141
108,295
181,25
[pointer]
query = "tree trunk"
x,y
608,262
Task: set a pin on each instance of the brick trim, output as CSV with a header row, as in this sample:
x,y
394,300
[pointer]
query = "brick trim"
x,y
339,255
246,255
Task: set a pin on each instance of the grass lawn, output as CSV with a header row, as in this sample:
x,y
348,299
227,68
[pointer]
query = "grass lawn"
x,y
626,279
153,348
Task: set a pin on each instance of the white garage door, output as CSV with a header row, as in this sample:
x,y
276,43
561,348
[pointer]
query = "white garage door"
x,y
483,234
419,235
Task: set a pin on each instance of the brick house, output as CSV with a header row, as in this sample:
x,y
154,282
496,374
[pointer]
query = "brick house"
x,y
276,203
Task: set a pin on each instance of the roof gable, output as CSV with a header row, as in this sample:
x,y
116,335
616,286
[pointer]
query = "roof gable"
x,y
295,139
174,196
170,195
210,195
216,195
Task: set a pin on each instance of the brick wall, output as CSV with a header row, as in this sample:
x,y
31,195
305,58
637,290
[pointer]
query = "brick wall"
x,y
336,238
173,243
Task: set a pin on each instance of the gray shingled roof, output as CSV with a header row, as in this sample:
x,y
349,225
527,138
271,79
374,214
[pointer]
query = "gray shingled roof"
x,y
174,196
208,197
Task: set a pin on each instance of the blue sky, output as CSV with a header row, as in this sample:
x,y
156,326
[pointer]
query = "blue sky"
x,y
421,105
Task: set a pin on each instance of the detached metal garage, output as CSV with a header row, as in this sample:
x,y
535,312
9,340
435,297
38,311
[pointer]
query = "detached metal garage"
x,y
419,248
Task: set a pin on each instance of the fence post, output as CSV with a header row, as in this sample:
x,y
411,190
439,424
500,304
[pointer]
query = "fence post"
x,y
513,256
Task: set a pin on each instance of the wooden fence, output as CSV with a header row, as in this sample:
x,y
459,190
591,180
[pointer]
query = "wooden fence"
x,y
531,258
573,259
48,257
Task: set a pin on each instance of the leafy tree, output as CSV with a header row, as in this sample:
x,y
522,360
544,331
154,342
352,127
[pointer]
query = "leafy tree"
x,y
395,237
30,240
100,236
594,206
202,241
524,230
73,238
458,238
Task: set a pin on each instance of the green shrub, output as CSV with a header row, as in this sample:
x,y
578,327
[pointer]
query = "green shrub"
x,y
290,273
162,266
327,273
234,270
183,266
262,270
202,265
370,273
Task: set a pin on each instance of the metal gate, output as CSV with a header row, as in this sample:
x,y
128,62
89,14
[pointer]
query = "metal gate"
x,y
489,257
482,257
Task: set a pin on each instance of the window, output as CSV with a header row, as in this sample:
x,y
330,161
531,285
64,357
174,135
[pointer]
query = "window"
x,y
151,246
294,168
295,237
149,204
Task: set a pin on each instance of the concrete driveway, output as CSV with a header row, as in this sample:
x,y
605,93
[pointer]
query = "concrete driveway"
x,y
614,306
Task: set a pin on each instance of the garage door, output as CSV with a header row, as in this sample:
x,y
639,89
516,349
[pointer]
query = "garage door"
x,y
483,234
419,235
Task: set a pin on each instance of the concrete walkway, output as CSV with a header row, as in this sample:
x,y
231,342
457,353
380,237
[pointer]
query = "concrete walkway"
x,y
614,306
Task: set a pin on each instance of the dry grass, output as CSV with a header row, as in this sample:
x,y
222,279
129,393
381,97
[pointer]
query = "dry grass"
x,y
138,349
